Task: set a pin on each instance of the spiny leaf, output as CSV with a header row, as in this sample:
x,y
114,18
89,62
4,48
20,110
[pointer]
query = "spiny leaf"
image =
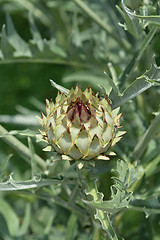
x,y
152,75
136,22
150,78
120,191
111,206
132,23
12,185
127,73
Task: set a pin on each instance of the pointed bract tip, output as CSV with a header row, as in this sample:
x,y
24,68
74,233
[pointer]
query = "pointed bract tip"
x,y
108,100
89,88
82,128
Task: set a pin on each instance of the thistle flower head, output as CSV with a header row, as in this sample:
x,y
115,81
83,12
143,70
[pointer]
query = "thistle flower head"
x,y
80,125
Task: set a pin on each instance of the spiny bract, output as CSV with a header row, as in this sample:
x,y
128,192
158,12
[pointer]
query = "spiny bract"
x,y
80,125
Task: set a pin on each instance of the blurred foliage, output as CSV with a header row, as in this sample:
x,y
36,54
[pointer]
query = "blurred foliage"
x,y
74,42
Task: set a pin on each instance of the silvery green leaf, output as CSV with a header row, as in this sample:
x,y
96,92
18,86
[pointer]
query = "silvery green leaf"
x,y
91,78
12,185
56,49
20,46
121,194
35,33
19,119
148,79
62,89
26,132
5,46
132,23
152,76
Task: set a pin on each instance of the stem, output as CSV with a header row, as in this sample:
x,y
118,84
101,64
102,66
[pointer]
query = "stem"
x,y
127,73
147,172
103,25
50,61
89,184
20,147
146,138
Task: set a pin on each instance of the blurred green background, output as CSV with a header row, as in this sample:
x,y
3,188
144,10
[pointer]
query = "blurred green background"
x,y
62,42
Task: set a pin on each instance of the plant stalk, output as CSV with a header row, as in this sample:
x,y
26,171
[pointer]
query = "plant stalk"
x,y
49,61
127,73
89,184
146,138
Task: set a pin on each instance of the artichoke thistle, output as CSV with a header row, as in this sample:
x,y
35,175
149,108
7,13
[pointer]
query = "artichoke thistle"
x,y
81,126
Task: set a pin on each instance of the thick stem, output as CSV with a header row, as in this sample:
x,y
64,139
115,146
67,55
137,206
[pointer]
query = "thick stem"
x,y
89,184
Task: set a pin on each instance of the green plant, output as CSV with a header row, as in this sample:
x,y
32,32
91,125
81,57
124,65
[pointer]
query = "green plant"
x,y
116,199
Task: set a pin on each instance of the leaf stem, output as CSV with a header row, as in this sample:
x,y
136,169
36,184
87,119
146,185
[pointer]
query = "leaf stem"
x,y
125,76
102,24
146,138
20,147
89,184
50,61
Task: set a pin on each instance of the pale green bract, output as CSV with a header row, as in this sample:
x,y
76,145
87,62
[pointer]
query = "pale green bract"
x,y
80,126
